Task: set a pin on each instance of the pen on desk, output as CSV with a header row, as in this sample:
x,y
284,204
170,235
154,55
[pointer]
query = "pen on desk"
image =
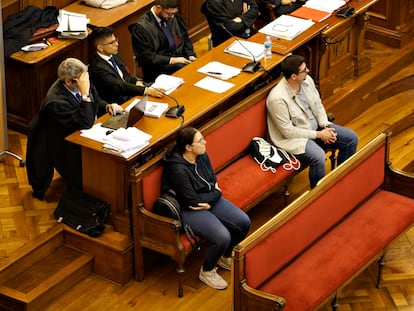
x,y
214,73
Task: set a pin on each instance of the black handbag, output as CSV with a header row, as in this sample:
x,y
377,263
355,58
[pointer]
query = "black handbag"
x,y
168,206
82,212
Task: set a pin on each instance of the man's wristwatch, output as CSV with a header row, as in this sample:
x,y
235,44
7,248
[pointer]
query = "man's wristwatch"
x,y
86,98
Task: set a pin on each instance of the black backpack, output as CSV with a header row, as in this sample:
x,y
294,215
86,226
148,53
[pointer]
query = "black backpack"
x,y
167,205
82,212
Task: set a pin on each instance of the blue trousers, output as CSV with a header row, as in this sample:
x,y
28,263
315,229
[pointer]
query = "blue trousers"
x,y
314,156
223,226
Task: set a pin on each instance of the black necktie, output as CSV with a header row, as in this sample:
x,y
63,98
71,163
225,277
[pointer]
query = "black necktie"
x,y
114,64
78,97
112,60
168,34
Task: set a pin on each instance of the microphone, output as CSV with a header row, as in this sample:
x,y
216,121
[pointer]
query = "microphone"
x,y
175,111
250,67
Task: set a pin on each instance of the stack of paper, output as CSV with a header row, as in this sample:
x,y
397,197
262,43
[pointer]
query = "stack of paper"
x,y
167,83
96,132
219,70
125,142
72,25
286,27
246,49
325,5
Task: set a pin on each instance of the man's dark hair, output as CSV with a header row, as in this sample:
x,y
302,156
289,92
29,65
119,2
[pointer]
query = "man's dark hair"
x,y
167,4
291,64
100,33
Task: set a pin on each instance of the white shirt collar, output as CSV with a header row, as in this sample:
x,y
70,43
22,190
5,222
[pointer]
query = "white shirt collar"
x,y
105,57
155,15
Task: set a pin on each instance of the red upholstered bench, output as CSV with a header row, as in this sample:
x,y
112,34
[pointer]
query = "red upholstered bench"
x,y
239,176
303,255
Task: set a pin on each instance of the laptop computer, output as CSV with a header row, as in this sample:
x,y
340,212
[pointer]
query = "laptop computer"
x,y
127,119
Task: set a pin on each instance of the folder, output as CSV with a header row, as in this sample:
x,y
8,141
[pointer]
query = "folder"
x,y
311,13
286,27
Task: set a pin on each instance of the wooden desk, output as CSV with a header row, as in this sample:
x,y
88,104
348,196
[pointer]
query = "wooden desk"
x,y
107,176
333,48
122,16
339,50
29,75
119,18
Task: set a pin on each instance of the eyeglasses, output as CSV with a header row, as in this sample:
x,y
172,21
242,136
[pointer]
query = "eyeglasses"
x,y
169,14
304,70
113,42
201,141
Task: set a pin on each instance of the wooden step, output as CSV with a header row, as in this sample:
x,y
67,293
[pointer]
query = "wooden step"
x,y
43,273
112,251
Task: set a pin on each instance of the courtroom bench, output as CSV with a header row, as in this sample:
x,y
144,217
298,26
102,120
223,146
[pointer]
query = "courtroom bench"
x,y
302,256
239,176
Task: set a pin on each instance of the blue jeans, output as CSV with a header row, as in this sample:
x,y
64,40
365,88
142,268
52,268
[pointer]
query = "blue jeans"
x,y
223,226
314,156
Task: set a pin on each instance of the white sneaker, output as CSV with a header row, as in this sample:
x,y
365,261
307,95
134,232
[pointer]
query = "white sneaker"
x,y
225,263
212,279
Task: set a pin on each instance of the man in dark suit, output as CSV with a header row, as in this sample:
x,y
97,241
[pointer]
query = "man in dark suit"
x,y
227,17
160,40
71,104
109,73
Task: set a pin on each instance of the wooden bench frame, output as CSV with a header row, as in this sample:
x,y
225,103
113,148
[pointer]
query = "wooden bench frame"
x,y
251,297
162,234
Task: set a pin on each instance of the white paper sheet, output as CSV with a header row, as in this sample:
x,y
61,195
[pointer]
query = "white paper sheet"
x,y
214,85
219,70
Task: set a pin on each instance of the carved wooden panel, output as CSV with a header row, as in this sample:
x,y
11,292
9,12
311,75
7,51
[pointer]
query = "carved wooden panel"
x,y
196,22
391,22
27,84
9,7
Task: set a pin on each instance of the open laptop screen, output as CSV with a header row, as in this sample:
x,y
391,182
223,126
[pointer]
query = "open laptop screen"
x,y
127,119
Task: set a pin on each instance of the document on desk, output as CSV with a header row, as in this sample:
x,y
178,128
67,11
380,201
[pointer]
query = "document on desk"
x,y
246,49
325,5
96,132
125,142
72,25
219,70
214,85
167,83
152,109
286,27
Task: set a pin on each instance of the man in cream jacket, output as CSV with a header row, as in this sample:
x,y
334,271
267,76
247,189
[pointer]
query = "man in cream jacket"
x,y
297,121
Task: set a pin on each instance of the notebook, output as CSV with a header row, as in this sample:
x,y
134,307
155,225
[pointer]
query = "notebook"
x,y
127,119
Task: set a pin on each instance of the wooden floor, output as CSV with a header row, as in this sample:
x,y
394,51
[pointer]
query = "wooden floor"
x,y
22,218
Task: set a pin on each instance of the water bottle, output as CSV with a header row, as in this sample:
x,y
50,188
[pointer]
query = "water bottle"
x,y
268,48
